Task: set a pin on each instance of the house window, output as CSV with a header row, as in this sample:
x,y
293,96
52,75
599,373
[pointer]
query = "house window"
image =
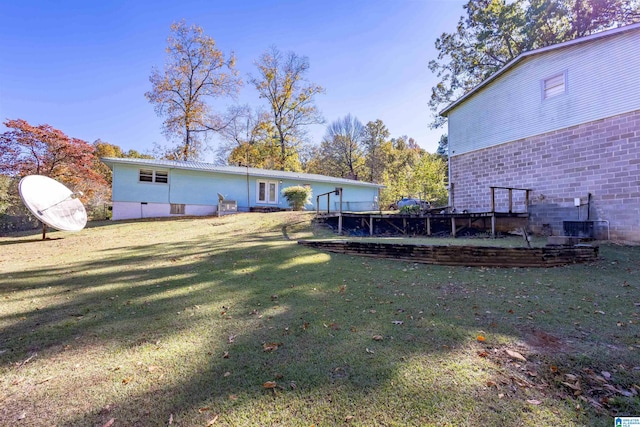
x,y
554,86
148,175
268,192
177,209
162,177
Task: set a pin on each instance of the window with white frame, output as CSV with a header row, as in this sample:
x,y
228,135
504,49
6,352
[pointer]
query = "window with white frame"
x,y
150,175
267,192
554,85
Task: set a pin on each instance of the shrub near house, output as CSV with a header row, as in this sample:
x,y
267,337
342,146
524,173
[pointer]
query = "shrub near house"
x,y
297,196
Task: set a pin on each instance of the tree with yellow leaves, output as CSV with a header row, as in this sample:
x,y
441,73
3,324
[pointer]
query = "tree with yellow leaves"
x,y
281,81
195,71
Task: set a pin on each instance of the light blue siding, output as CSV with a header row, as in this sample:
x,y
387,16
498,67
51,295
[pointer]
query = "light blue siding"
x,y
200,187
603,80
127,187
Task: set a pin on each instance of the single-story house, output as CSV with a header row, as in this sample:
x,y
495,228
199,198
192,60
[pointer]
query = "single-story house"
x,y
145,188
562,121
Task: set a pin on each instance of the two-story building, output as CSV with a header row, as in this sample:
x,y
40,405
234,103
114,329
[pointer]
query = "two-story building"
x,y
563,121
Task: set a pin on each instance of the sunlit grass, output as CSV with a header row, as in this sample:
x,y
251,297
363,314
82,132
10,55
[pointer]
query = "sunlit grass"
x,y
186,320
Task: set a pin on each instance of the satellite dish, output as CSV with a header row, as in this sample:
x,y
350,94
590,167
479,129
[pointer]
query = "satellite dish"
x,y
52,203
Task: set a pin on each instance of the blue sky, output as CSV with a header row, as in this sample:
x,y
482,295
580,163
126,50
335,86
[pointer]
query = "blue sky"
x,y
83,66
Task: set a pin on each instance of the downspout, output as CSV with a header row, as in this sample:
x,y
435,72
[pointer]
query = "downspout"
x,y
248,190
169,182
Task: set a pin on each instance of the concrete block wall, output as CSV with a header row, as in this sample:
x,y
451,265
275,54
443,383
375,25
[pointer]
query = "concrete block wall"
x,y
600,157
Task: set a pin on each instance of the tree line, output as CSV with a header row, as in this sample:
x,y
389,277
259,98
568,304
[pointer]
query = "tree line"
x,y
273,136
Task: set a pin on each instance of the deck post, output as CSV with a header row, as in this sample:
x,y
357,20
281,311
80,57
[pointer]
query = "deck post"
x,y
453,226
428,220
493,199
371,225
493,225
510,200
340,211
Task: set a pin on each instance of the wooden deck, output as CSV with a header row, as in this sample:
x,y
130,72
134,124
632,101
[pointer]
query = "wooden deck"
x,y
421,224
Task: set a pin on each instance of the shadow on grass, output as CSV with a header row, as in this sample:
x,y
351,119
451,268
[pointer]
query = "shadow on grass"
x,y
321,311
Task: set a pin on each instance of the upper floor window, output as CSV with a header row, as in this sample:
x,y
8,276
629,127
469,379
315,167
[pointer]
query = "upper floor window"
x,y
554,86
149,175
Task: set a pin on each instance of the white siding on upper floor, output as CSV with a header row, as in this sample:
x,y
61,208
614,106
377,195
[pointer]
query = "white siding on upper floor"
x,y
602,80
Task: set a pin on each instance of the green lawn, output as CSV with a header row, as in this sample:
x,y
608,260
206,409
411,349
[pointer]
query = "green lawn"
x,y
228,322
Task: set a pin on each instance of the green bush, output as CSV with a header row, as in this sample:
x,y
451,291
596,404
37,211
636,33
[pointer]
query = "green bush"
x,y
410,209
297,196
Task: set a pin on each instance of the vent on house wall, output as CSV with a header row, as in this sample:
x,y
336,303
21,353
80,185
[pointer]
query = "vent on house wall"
x,y
177,209
554,86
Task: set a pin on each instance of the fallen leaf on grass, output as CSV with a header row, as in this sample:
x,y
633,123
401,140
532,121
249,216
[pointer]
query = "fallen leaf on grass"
x,y
533,402
213,421
22,416
272,346
203,409
483,354
109,423
233,397
226,374
515,355
348,418
231,338
18,381
481,338
269,384
377,337
225,355
126,380
170,419
575,386
44,380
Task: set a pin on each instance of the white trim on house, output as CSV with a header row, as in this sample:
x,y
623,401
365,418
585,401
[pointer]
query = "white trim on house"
x,y
152,176
555,85
267,192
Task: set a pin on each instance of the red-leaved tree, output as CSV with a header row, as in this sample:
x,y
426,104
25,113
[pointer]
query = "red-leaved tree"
x,y
43,150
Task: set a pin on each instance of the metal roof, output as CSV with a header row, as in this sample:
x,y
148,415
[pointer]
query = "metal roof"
x,y
525,55
235,170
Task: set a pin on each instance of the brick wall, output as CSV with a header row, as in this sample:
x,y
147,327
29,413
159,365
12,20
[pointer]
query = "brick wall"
x,y
600,157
